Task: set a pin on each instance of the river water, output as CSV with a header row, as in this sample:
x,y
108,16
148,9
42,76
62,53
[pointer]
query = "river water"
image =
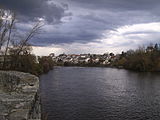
x,y
79,93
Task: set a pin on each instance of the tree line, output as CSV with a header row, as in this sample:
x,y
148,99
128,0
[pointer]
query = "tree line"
x,y
142,59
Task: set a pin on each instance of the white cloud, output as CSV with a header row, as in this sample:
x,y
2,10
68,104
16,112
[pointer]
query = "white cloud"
x,y
133,35
147,27
43,51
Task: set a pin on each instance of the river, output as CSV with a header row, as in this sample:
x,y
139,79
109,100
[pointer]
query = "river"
x,y
90,93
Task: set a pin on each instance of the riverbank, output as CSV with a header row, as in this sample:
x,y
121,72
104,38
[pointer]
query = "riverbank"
x,y
107,66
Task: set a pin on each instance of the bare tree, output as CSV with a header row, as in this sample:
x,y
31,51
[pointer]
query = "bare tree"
x,y
34,31
17,47
23,47
7,21
3,26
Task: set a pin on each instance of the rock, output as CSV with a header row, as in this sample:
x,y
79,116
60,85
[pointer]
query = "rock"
x,y
19,114
19,96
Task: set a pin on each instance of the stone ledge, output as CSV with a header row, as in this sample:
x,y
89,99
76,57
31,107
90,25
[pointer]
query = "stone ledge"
x,y
19,96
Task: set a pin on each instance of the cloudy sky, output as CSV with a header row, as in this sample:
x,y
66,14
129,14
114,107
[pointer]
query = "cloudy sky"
x,y
89,26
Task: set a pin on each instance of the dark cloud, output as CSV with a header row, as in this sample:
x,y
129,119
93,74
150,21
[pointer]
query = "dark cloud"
x,y
90,27
90,18
31,9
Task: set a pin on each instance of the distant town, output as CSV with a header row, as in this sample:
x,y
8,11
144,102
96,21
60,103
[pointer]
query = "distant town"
x,y
84,59
122,60
141,59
